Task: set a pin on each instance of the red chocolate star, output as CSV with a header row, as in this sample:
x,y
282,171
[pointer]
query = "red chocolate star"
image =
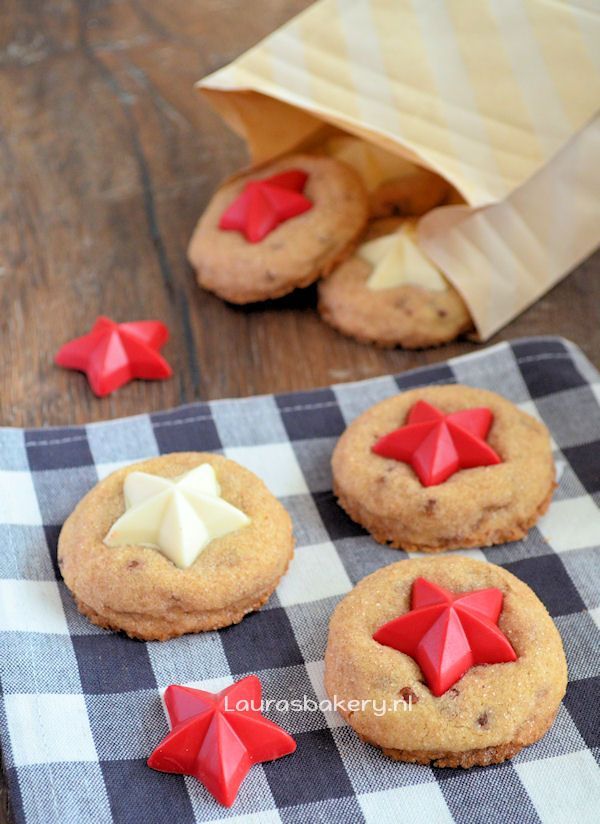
x,y
438,445
113,354
216,737
264,204
448,634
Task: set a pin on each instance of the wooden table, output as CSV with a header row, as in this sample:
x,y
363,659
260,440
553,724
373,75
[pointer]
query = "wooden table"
x,y
107,159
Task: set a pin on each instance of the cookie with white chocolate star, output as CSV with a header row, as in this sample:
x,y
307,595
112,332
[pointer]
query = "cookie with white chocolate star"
x,y
390,293
183,543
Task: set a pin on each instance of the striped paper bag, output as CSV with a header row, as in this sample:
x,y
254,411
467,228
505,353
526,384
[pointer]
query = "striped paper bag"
x,y
500,97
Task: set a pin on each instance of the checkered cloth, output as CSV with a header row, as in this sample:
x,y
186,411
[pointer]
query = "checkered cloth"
x,y
80,708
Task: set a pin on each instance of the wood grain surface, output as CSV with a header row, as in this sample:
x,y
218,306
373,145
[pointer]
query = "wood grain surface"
x,y
107,158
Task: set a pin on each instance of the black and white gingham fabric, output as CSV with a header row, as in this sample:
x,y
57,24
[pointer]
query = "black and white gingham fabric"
x,y
81,709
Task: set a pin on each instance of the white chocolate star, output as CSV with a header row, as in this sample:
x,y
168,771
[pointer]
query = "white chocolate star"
x,y
374,165
179,517
397,259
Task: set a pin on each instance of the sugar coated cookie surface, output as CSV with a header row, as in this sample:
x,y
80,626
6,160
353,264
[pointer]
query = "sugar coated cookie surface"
x,y
293,253
476,506
210,549
409,310
490,712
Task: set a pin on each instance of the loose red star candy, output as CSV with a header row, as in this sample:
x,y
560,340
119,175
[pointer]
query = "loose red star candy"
x,y
216,737
448,634
438,445
113,354
264,204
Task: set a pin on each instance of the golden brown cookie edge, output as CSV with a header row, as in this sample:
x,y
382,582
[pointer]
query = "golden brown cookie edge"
x,y
482,539
478,757
425,340
162,631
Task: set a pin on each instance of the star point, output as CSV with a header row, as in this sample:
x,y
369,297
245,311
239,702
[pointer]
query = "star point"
x,y
448,633
264,204
179,517
113,354
217,737
438,445
397,259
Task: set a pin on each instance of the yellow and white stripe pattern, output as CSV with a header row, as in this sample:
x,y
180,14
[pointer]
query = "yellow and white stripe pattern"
x,y
485,92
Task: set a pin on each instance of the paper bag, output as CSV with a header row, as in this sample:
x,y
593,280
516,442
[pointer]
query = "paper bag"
x,y
499,97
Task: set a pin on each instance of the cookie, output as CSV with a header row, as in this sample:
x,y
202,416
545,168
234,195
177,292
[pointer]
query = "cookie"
x,y
444,467
182,543
297,218
409,195
502,665
395,185
390,294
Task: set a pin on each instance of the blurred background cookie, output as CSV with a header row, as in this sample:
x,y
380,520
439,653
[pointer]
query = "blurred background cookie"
x,y
278,228
396,186
389,293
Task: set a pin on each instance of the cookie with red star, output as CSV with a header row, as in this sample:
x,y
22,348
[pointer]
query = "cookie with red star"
x,y
396,186
444,467
453,662
278,227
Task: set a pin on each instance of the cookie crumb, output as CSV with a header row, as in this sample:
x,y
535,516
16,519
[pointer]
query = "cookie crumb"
x,y
408,695
133,564
483,720
430,505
